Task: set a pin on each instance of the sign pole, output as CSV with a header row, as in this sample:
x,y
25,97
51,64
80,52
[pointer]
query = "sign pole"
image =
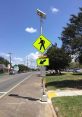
x,y
42,68
41,26
41,44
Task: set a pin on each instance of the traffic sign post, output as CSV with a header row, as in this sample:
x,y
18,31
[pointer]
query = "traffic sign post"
x,y
42,44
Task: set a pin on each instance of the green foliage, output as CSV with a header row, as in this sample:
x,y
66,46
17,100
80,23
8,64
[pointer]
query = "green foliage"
x,y
22,68
4,61
72,34
80,58
58,58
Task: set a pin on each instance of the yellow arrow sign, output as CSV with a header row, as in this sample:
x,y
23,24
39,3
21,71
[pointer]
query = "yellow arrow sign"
x,y
42,43
42,61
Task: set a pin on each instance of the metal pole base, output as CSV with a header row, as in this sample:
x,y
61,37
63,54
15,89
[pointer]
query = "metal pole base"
x,y
44,98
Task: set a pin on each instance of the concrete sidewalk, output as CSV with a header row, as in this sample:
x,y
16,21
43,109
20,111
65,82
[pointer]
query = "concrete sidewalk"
x,y
24,101
69,93
60,93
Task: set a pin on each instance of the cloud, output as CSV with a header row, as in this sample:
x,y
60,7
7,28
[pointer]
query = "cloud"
x,y
31,59
54,10
18,59
14,60
33,55
4,54
30,30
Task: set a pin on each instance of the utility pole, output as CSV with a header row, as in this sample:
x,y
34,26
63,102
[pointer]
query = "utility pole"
x,y
31,63
10,60
27,60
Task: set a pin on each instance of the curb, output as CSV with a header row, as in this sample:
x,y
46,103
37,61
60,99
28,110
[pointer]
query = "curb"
x,y
54,113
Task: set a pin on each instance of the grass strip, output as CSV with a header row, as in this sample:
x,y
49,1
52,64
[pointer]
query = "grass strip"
x,y
68,106
67,80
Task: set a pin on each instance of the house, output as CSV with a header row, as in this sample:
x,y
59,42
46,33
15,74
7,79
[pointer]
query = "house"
x,y
2,68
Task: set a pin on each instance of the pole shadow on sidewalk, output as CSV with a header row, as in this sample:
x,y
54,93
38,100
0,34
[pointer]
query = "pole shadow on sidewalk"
x,y
29,98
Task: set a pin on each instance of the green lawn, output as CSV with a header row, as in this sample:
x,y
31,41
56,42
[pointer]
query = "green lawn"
x,y
68,106
66,80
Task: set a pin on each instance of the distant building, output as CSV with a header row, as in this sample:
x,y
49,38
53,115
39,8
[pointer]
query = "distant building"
x,y
3,67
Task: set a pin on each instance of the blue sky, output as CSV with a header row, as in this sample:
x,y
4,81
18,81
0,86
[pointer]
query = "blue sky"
x,y
20,25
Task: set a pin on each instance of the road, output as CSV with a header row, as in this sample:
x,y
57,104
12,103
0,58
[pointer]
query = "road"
x,y
22,97
9,82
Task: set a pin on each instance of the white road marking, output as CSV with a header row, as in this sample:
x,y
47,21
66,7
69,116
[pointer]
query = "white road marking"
x,y
15,86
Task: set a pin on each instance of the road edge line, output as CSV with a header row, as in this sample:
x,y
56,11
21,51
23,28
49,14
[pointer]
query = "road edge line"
x,y
16,85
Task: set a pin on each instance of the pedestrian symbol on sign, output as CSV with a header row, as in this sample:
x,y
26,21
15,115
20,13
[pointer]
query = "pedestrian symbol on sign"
x,y
42,43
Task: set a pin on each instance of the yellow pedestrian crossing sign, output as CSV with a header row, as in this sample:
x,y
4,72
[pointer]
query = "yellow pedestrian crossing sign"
x,y
42,61
42,43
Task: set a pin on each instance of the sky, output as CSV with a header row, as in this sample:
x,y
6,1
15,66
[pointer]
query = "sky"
x,y
20,25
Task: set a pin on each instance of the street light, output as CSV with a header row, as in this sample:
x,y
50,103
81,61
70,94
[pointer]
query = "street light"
x,y
42,16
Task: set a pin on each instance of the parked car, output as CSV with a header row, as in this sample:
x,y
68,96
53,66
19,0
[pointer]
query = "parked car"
x,y
12,72
76,70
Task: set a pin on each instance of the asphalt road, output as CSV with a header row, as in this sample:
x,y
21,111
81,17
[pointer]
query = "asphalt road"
x,y
11,80
23,100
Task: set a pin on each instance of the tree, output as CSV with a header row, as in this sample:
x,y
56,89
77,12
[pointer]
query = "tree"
x,y
22,68
72,34
4,61
80,58
58,58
